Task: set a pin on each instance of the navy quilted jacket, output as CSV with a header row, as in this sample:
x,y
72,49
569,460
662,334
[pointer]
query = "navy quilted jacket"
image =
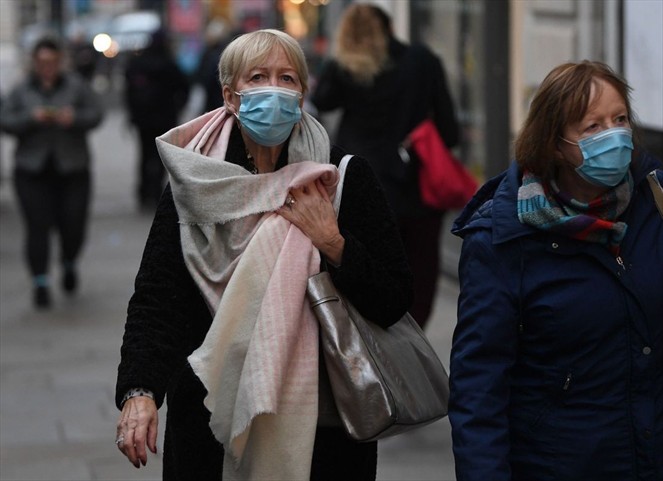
x,y
557,358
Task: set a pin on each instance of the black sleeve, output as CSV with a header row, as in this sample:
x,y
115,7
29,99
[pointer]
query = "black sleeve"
x,y
15,114
443,108
327,94
374,273
162,309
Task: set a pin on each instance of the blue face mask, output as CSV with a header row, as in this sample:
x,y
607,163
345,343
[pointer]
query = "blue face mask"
x,y
606,156
268,114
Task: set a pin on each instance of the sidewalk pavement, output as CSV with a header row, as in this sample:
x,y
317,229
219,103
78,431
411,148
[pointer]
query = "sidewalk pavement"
x,y
58,368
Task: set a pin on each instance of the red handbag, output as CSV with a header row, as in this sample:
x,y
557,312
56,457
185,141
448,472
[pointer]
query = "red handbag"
x,y
444,182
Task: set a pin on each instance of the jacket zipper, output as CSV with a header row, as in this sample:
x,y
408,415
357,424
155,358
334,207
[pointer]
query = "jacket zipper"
x,y
620,261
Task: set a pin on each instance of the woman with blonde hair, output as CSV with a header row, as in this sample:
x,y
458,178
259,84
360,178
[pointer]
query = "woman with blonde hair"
x,y
386,88
219,321
362,43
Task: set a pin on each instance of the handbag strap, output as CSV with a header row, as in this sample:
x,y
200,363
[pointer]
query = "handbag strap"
x,y
657,190
342,166
341,178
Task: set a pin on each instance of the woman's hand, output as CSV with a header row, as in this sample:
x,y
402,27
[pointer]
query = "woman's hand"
x,y
137,427
64,117
311,210
43,115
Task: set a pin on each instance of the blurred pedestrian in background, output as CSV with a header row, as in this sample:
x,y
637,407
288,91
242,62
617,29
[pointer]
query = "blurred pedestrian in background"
x,y
82,54
217,36
557,357
385,88
156,92
50,114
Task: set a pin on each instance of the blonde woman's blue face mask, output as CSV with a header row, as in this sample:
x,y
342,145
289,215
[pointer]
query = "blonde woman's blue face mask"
x,y
268,114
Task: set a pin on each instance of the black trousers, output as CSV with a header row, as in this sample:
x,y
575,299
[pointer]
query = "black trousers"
x,y
151,173
53,201
191,452
335,458
422,242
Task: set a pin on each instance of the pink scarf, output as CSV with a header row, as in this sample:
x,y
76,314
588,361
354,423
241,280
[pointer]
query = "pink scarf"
x,y
259,360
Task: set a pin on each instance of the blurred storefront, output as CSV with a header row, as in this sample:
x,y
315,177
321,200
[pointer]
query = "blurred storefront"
x,y
495,51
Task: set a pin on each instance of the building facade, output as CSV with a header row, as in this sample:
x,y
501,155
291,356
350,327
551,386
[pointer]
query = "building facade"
x,y
496,52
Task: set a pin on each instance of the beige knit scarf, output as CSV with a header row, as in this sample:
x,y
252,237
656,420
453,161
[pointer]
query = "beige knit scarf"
x,y
259,360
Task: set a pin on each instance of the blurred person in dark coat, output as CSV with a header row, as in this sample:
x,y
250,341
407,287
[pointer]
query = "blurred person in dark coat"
x,y
217,36
83,55
385,89
50,114
156,92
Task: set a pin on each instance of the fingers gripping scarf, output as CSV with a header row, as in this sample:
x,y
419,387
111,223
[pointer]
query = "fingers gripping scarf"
x,y
259,360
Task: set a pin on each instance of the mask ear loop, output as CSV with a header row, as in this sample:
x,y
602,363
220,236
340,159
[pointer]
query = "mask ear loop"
x,y
562,160
233,111
568,141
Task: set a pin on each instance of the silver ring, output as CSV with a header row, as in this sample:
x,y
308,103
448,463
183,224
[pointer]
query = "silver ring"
x,y
290,200
119,440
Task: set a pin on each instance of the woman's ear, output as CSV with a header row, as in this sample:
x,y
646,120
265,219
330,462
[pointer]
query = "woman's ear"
x,y
228,98
560,145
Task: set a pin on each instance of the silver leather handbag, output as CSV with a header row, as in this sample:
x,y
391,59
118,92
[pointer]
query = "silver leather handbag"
x,y
384,381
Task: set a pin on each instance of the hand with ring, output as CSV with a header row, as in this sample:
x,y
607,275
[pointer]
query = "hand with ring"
x,y
137,428
310,209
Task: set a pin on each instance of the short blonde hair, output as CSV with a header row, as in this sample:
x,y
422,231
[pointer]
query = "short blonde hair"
x,y
251,49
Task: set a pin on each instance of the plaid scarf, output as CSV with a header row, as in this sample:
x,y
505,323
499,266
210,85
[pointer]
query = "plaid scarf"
x,y
547,208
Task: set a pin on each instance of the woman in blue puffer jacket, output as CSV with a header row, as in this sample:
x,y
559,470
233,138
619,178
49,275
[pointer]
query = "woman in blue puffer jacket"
x,y
557,357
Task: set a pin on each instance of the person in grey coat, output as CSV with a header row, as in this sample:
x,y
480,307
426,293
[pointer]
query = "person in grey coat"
x,y
50,114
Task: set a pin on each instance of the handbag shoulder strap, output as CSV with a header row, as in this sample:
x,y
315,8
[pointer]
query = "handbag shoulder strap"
x,y
342,166
657,190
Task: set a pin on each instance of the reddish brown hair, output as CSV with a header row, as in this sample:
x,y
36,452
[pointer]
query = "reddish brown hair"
x,y
562,99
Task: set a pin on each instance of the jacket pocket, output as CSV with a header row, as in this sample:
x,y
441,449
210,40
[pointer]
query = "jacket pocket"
x,y
542,419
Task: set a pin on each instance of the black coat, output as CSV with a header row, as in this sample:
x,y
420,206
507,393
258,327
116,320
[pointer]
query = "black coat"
x,y
168,319
207,75
156,89
377,118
